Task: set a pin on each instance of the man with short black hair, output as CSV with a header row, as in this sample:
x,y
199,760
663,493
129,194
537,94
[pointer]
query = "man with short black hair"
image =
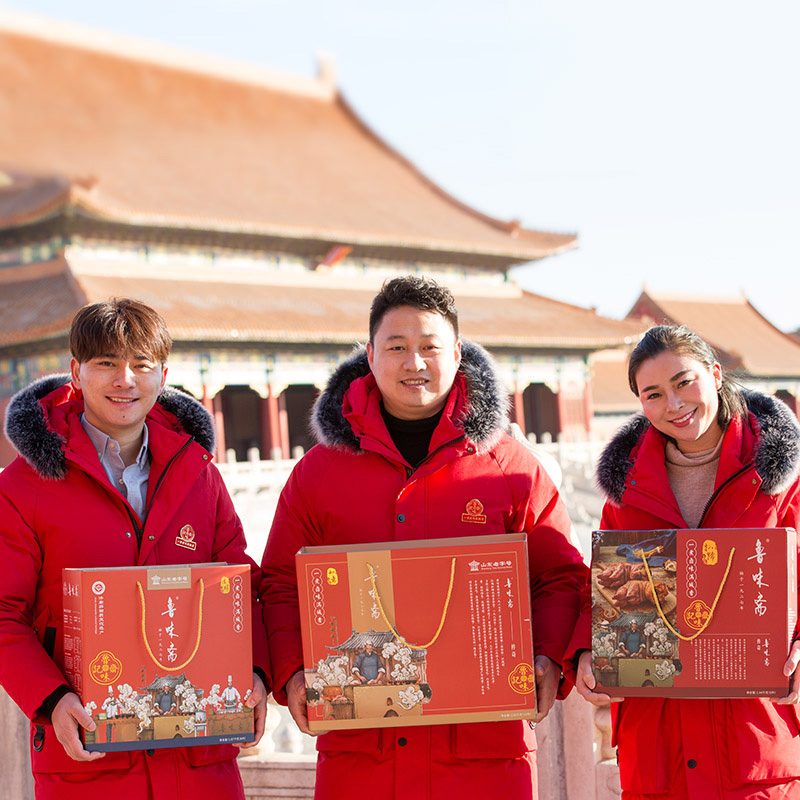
x,y
412,433
112,467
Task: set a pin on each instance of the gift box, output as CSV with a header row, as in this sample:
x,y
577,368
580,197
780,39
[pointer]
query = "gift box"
x,y
160,656
417,632
693,613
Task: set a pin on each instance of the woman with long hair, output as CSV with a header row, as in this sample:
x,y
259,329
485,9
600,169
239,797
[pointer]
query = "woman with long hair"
x,y
704,453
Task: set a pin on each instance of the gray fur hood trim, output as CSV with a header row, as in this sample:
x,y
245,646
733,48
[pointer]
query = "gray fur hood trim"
x,y
485,421
777,457
26,425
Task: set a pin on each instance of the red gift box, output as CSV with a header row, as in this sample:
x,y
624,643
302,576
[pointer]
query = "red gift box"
x,y
693,613
160,656
417,633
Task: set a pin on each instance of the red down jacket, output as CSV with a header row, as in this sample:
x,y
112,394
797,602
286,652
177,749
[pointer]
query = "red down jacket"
x,y
708,749
58,509
356,487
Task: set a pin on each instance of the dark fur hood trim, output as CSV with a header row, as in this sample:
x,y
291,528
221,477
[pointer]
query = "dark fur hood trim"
x,y
485,421
26,425
777,458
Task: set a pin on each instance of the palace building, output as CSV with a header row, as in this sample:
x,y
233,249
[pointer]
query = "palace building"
x,y
259,214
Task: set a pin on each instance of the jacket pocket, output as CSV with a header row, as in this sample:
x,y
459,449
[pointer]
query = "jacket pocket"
x,y
49,640
511,739
41,626
766,741
48,755
647,733
360,741
214,754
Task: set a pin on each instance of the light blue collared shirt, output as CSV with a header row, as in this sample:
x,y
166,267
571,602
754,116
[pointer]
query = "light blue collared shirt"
x,y
130,481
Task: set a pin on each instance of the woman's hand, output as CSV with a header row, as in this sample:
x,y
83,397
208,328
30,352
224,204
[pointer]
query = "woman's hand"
x,y
790,671
547,675
585,682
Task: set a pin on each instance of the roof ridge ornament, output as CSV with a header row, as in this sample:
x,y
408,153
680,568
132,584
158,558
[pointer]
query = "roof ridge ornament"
x,y
327,71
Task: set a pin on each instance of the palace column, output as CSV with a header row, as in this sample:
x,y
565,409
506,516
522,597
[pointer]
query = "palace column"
x,y
274,423
588,405
518,408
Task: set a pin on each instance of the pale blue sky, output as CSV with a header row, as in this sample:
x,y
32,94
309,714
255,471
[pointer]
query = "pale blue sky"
x,y
665,135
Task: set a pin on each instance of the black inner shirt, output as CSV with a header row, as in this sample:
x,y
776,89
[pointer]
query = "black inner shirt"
x,y
412,437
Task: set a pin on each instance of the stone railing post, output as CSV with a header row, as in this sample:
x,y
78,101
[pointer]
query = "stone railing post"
x,y
16,781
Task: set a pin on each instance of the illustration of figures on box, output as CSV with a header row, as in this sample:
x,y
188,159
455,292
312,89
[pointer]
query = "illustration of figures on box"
x,y
370,674
631,644
169,708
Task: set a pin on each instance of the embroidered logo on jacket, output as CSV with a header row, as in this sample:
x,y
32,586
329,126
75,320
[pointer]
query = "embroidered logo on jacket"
x,y
474,513
186,538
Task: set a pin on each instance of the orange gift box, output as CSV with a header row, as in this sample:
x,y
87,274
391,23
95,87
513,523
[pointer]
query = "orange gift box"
x,y
160,656
699,613
417,632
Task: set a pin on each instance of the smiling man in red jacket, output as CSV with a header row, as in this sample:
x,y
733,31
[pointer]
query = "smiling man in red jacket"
x,y
112,466
412,429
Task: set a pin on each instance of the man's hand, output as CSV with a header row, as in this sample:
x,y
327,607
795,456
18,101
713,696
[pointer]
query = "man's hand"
x,y
296,700
66,717
547,675
790,671
585,682
258,702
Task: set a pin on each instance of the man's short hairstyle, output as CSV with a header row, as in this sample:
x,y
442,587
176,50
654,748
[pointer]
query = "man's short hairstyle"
x,y
116,327
421,293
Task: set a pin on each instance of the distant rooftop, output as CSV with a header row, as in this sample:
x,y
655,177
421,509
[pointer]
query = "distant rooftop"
x,y
742,337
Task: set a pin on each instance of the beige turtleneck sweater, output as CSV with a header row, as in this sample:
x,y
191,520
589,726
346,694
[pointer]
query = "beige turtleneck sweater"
x,y
692,476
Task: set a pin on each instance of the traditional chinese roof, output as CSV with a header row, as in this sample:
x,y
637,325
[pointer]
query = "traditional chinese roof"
x,y
359,640
171,680
742,337
37,301
640,618
129,133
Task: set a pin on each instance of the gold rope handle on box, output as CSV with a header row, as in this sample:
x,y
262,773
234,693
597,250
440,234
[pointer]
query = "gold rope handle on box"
x,y
661,614
444,610
199,630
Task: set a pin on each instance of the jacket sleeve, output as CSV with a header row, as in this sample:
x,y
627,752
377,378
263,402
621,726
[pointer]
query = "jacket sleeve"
x,y
582,635
558,573
27,672
789,513
294,526
229,546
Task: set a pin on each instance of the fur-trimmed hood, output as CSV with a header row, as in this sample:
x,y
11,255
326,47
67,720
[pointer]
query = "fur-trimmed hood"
x,y
43,448
777,456
484,421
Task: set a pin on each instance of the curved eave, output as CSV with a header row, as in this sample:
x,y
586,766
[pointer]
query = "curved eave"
x,y
99,211
512,229
30,198
518,251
